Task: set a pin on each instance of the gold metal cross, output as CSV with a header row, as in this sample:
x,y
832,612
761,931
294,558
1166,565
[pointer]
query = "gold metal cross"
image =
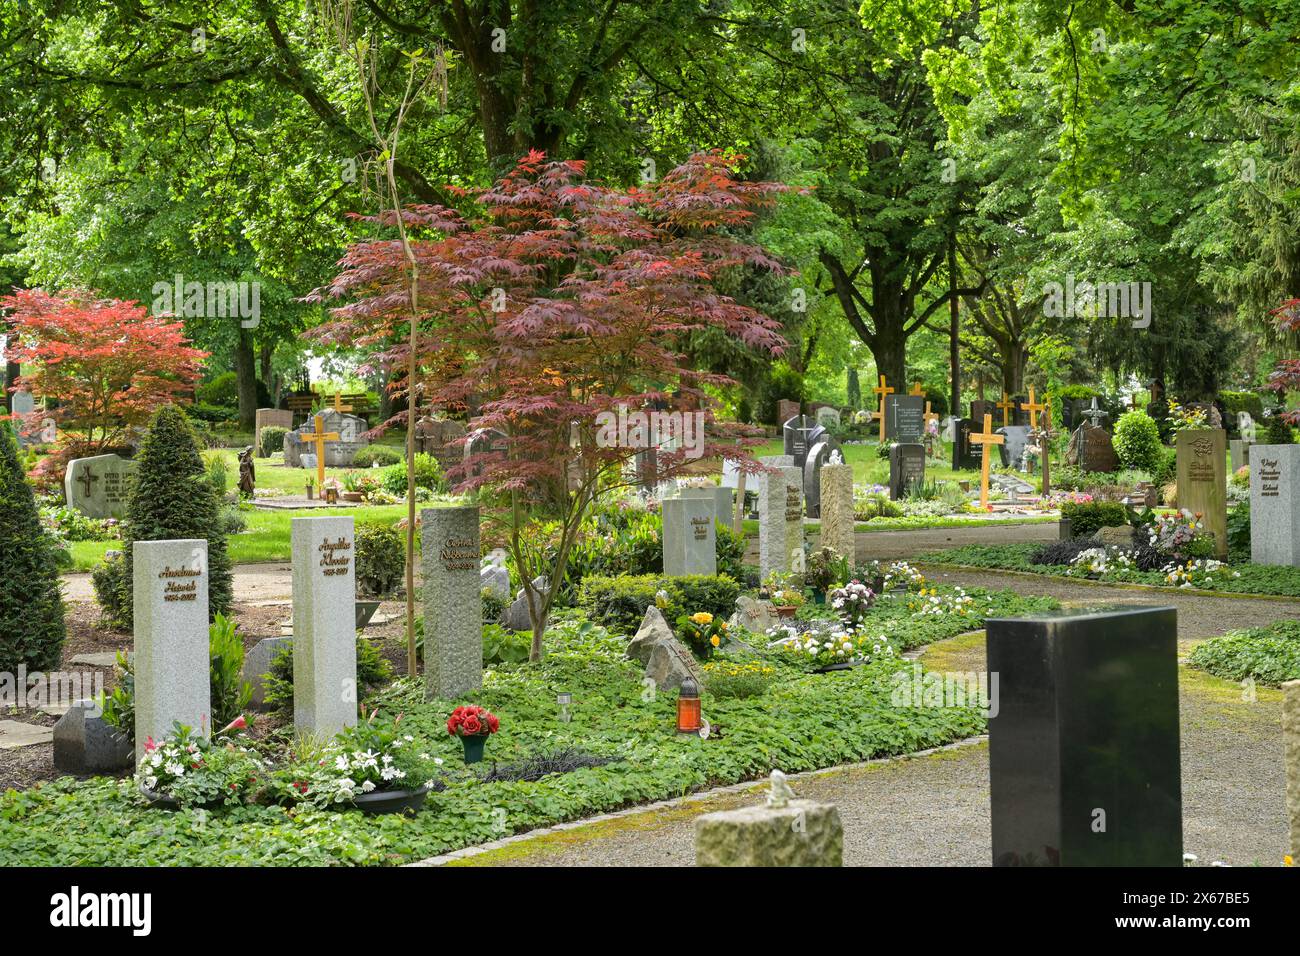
x,y
318,438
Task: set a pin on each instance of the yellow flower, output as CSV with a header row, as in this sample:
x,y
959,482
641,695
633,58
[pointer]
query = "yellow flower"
x,y
1288,860
702,617
715,640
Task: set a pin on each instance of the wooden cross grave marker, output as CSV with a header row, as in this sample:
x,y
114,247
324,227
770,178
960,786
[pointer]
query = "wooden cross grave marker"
x,y
986,438
1006,405
882,391
338,404
318,438
917,390
1044,429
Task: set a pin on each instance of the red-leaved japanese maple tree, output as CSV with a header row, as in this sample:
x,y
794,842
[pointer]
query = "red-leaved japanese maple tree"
x,y
549,301
1285,376
109,362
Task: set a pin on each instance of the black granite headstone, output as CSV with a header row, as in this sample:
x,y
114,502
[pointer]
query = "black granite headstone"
x,y
1012,451
979,408
966,455
798,436
906,468
1018,415
904,417
1083,738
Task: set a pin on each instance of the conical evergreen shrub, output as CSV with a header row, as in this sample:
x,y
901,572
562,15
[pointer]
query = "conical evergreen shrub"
x,y
171,498
31,604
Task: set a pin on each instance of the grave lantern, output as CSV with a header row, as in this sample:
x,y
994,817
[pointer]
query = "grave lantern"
x,y
688,707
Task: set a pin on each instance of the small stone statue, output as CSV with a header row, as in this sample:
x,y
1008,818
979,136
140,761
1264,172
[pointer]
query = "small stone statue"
x,y
780,795
247,472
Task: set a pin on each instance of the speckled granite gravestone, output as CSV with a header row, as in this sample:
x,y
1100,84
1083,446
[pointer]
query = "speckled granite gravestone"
x,y
171,638
1291,745
1275,504
780,519
689,537
324,625
98,486
837,510
1203,480
453,602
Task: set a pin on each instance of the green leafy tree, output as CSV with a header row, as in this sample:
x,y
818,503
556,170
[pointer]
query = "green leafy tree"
x,y
31,602
171,499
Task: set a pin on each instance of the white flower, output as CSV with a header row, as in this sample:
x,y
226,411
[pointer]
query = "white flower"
x,y
150,782
367,786
175,769
341,762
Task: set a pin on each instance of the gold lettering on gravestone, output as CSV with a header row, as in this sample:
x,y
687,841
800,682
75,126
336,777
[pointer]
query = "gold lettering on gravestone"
x,y
1270,477
176,590
336,557
701,526
793,504
459,554
1201,468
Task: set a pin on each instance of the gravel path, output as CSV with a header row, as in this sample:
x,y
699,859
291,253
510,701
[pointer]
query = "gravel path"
x,y
934,810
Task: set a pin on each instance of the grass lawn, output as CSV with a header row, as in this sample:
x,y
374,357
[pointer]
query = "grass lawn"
x,y
267,537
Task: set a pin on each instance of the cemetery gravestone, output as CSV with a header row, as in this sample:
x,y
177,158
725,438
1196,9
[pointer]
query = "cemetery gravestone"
x,y
980,407
966,454
85,743
324,625
1239,452
453,602
257,664
689,536
1291,754
270,418
1275,505
779,524
825,452
906,469
798,436
720,498
438,437
836,491
1091,449
99,487
170,588
20,404
1246,427
786,410
1012,451
828,417
904,417
1203,480
494,444
1084,760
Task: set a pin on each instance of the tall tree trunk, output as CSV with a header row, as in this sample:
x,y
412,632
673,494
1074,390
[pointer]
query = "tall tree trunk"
x,y
246,379
954,327
890,347
12,371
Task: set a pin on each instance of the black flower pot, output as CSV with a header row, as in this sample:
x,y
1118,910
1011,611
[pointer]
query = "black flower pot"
x,y
160,801
391,801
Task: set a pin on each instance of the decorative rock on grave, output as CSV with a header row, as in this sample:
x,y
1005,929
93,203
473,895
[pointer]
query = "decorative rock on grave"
x,y
1274,505
689,537
324,625
837,510
782,832
84,743
453,602
99,487
170,585
1083,738
1203,480
780,520
667,660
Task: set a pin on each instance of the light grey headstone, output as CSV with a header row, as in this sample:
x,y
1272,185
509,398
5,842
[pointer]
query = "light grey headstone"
x,y
780,520
495,579
84,743
1275,504
828,417
730,473
99,487
22,403
1239,451
689,537
453,602
516,616
170,588
257,664
721,498
800,833
324,625
308,461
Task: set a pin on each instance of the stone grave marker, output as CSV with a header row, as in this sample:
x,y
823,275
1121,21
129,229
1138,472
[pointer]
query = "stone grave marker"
x,y
1274,505
453,602
825,452
490,442
1239,452
786,410
828,417
782,832
837,529
966,454
170,600
1246,427
798,435
780,519
719,497
1090,449
689,537
1084,764
981,407
1012,451
324,625
1203,480
904,418
99,487
270,418
440,437
906,468
257,664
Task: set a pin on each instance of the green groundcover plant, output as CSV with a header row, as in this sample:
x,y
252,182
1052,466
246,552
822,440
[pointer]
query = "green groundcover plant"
x,y
1268,655
1242,578
802,722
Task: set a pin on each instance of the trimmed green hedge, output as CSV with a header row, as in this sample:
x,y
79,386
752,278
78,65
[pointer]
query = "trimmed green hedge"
x,y
1087,518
